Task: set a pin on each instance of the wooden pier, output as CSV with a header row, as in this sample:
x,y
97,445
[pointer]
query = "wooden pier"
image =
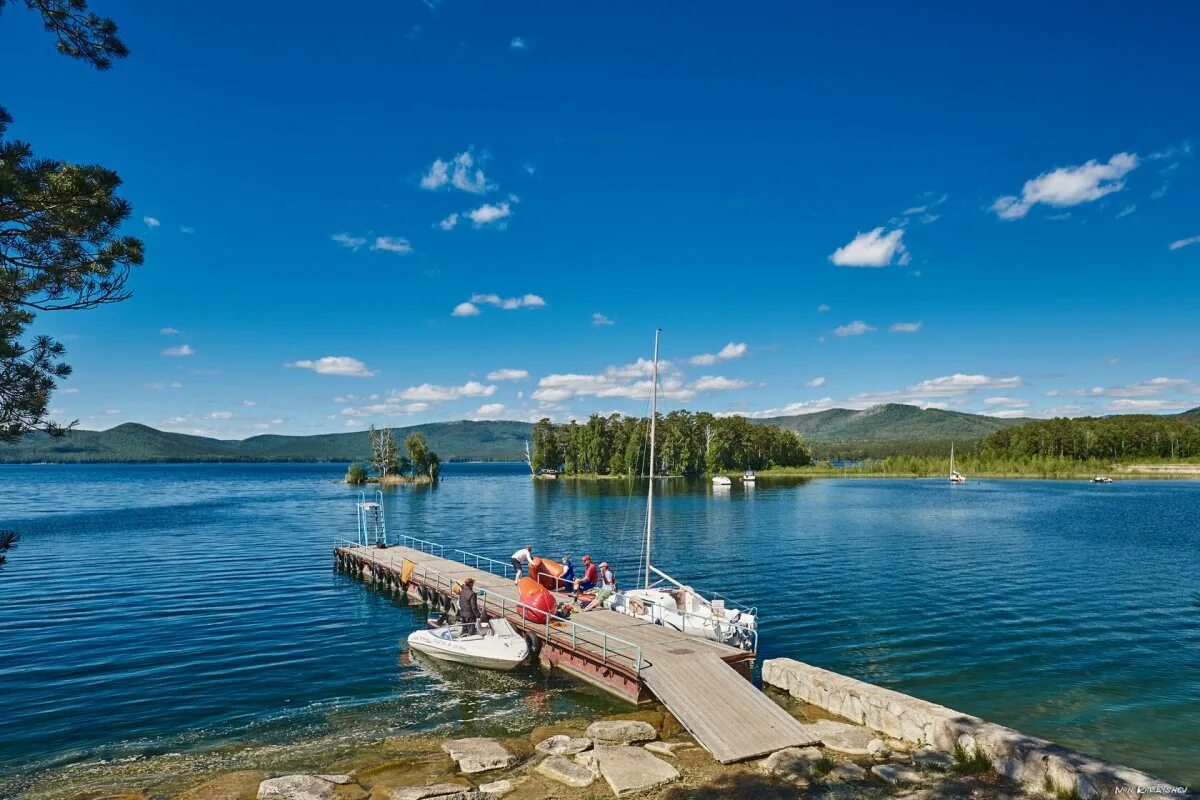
x,y
704,684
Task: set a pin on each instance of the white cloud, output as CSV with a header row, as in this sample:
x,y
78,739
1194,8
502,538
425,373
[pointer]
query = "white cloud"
x,y
431,393
186,229
507,375
816,382
219,415
449,222
489,411
1006,402
600,319
631,381
151,222
465,310
727,353
1127,210
1068,186
821,309
928,391
791,409
488,214
182,350
392,244
346,240
905,327
389,408
176,385
168,331
1181,243
71,390
344,366
249,403
717,383
1147,405
471,307
875,248
518,43
1007,413
856,328
462,173
112,412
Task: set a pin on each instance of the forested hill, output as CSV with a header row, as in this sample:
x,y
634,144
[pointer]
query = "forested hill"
x,y
452,441
889,430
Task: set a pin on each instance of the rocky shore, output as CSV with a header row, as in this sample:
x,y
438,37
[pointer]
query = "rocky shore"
x,y
643,754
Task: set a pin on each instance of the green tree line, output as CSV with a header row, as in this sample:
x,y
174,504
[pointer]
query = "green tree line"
x,y
1120,438
687,444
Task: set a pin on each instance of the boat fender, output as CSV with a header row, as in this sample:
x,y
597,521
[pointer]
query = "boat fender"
x,y
534,644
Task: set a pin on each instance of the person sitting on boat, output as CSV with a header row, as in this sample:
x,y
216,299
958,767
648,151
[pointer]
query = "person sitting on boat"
x,y
522,556
608,587
589,580
468,607
567,579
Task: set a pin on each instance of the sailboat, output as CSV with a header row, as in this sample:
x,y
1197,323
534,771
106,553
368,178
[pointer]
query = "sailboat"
x,y
664,600
955,475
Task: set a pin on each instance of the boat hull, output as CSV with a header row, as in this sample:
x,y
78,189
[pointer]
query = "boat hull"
x,y
474,651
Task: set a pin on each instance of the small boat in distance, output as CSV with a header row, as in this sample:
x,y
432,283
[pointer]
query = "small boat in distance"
x,y
496,646
721,480
1102,479
748,476
955,475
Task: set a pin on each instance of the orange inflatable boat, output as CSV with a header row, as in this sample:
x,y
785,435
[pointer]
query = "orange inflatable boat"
x,y
537,601
546,572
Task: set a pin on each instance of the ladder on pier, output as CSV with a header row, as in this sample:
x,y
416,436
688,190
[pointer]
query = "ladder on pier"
x,y
723,711
372,527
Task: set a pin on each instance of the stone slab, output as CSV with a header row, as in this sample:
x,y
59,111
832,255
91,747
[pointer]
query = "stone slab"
x,y
296,787
477,754
792,764
621,731
563,745
564,770
628,770
897,774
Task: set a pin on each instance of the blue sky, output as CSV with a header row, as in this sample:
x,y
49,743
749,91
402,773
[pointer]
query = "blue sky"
x,y
821,207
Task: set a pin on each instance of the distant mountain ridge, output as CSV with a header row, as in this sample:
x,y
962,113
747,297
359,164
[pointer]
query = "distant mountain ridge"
x,y
838,432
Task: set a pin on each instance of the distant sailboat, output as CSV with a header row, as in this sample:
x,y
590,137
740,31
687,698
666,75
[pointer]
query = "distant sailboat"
x,y
955,475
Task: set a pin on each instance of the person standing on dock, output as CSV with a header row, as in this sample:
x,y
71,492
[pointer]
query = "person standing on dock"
x,y
468,607
522,556
566,580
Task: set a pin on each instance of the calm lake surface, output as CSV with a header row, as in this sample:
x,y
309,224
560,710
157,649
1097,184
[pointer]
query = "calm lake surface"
x,y
166,609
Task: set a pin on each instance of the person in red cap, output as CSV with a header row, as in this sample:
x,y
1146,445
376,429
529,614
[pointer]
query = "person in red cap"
x,y
589,580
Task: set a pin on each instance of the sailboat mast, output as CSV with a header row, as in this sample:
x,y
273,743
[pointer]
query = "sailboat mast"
x,y
653,431
952,458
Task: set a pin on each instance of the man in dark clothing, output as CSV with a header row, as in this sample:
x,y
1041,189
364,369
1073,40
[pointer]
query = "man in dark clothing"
x,y
468,607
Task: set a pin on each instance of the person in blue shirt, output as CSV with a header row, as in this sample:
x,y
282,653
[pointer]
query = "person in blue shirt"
x,y
567,579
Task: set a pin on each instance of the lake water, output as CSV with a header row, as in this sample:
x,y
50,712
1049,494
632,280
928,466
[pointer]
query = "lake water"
x,y
168,609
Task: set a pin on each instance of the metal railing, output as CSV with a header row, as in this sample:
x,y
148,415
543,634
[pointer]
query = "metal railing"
x,y
724,631
433,548
553,628
474,559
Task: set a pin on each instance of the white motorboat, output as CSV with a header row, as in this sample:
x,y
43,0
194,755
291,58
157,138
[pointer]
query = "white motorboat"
x,y
496,646
748,476
667,601
1102,479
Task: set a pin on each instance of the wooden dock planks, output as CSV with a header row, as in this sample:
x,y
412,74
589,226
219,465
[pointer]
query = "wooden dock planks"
x,y
692,677
725,713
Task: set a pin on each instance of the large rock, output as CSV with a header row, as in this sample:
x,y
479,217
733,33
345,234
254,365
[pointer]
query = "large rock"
x,y
436,791
497,788
563,745
621,731
296,787
566,771
848,772
897,774
929,757
628,769
340,780
793,764
849,739
477,754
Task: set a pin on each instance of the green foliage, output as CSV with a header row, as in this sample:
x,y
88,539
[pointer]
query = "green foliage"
x,y
454,441
975,762
356,473
59,248
424,461
823,766
1119,438
8,540
688,444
